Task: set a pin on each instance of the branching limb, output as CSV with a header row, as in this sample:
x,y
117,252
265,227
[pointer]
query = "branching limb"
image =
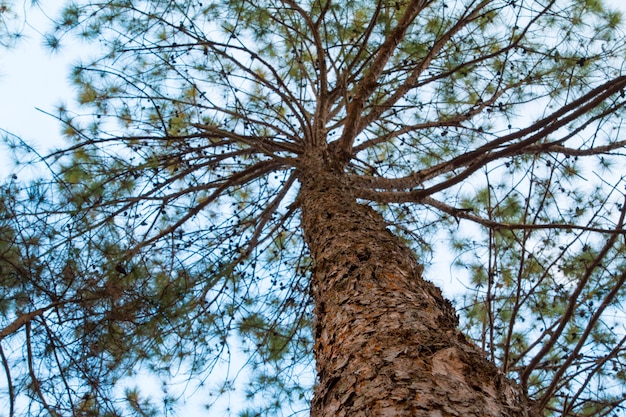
x,y
26,318
520,142
369,82
315,131
547,394
413,77
573,302
597,369
31,371
468,214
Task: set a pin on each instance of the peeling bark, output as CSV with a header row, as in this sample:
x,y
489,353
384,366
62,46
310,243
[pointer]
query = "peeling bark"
x,y
386,341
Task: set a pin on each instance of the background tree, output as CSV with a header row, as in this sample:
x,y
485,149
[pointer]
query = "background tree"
x,y
8,24
221,134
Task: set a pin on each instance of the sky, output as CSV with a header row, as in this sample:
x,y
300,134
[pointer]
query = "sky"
x,y
31,78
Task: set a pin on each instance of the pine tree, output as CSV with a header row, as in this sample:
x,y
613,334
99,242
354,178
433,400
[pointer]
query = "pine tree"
x,y
271,179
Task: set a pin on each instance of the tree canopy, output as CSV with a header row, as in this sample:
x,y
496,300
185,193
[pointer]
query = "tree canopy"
x,y
168,239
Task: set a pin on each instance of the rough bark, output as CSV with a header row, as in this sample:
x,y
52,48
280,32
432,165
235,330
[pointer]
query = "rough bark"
x,y
386,340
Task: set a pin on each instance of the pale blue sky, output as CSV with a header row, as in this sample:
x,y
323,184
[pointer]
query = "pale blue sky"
x,y
32,77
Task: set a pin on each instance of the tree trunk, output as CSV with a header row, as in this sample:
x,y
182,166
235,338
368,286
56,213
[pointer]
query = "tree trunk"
x,y
386,341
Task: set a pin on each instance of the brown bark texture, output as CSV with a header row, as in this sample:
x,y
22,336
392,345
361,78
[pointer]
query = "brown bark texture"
x,y
386,341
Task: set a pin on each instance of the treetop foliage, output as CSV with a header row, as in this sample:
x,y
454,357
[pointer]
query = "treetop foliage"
x,y
168,238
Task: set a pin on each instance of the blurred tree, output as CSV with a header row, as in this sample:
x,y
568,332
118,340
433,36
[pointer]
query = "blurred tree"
x,y
268,179
8,28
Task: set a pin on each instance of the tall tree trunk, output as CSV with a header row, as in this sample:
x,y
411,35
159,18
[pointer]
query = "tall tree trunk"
x,y
386,341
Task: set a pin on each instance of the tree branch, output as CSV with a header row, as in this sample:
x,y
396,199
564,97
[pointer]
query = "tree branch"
x,y
606,301
26,318
411,80
369,82
571,305
11,389
479,157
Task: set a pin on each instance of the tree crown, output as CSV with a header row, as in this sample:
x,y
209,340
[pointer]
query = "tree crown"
x,y
178,194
